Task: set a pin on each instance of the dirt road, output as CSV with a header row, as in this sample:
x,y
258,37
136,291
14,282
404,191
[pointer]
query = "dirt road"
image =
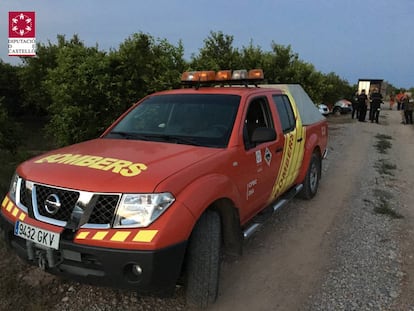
x,y
339,251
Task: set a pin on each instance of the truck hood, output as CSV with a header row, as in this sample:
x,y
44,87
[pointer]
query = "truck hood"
x,y
112,165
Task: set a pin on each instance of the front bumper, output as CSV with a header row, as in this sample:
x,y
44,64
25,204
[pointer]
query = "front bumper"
x,y
148,272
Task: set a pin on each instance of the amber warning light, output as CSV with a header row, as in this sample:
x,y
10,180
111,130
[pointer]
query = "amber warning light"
x,y
241,77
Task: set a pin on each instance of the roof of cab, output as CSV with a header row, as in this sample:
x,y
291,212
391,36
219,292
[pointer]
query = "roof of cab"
x,y
230,90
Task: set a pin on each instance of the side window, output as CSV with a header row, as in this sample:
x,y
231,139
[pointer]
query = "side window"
x,y
258,115
286,115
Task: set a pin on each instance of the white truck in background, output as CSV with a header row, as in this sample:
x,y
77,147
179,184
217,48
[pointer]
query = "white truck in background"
x,y
370,84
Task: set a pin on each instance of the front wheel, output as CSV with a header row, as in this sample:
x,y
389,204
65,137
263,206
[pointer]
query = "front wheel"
x,y
203,261
313,175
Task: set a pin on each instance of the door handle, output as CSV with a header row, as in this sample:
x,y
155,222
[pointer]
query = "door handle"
x,y
300,139
280,149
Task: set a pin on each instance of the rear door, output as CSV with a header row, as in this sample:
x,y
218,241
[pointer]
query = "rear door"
x,y
294,143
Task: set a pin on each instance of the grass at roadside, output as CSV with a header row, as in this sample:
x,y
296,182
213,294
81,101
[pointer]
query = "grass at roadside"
x,y
385,168
384,208
17,291
383,143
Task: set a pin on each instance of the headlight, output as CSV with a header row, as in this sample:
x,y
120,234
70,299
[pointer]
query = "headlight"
x,y
140,210
13,187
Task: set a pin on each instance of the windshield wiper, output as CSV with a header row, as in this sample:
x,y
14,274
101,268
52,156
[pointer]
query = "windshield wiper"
x,y
175,139
155,137
128,135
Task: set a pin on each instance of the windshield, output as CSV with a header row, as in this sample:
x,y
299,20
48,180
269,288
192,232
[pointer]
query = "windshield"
x,y
194,119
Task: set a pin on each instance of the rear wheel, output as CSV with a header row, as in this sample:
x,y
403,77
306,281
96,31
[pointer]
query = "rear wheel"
x,y
203,261
313,175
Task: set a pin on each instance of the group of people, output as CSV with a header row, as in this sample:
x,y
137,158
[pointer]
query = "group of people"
x,y
360,107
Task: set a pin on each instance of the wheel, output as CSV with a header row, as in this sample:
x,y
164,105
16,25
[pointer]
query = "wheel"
x,y
203,261
313,175
337,111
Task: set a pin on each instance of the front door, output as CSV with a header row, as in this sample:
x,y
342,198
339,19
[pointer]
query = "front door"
x,y
258,165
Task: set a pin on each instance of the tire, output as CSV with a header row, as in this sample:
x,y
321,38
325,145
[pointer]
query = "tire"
x,y
337,111
313,175
203,261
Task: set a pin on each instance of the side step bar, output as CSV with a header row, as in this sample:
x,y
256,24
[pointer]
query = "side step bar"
x,y
258,221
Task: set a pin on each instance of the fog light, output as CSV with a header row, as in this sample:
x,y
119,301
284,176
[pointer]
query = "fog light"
x,y
133,272
137,270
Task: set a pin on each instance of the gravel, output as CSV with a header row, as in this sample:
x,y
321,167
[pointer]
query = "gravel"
x,y
366,266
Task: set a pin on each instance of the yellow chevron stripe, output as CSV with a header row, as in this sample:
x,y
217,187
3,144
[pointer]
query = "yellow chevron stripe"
x,y
9,206
100,235
5,202
82,235
120,236
22,216
15,211
145,236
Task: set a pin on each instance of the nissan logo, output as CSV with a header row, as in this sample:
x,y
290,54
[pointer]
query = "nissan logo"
x,y
52,204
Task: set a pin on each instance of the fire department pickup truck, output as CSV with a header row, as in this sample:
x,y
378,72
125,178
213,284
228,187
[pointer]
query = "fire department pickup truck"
x,y
178,180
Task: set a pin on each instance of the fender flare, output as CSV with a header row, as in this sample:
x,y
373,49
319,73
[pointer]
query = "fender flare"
x,y
204,191
311,146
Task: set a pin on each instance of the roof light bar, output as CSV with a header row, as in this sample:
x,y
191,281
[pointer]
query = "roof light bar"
x,y
256,74
223,76
239,75
198,76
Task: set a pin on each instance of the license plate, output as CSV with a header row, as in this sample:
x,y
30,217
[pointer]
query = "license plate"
x,y
37,235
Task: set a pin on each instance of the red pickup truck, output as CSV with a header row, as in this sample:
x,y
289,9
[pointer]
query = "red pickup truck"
x,y
180,178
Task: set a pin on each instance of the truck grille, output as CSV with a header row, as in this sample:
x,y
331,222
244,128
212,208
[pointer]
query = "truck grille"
x,y
102,214
67,198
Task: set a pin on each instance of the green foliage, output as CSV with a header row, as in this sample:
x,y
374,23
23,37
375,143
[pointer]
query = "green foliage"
x,y
78,88
218,53
10,131
36,96
333,88
280,63
144,65
9,88
252,57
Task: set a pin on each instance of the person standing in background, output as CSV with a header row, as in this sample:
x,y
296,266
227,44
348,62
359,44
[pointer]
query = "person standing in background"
x,y
399,98
408,108
355,106
392,101
375,107
362,106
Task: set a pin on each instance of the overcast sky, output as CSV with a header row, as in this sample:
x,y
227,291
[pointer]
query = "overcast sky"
x,y
352,38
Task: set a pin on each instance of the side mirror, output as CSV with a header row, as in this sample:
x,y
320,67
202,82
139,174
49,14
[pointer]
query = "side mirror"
x,y
263,134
